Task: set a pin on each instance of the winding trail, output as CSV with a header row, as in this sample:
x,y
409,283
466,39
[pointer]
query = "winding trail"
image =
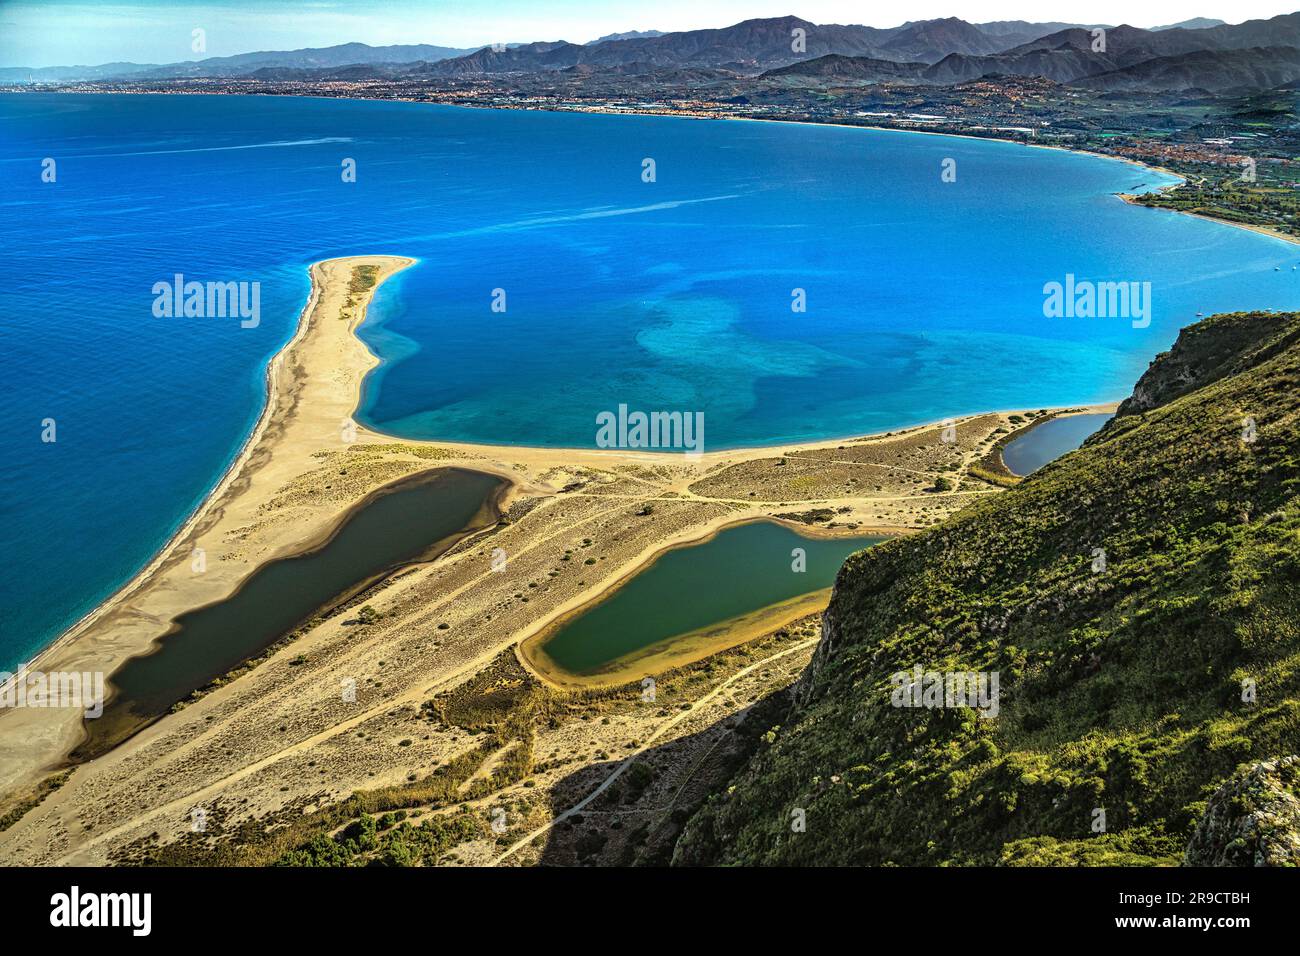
x,y
663,728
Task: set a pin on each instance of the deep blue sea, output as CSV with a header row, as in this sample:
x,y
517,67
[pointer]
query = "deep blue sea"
x,y
924,297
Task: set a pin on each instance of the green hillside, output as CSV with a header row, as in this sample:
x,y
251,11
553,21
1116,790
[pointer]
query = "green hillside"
x,y
1121,690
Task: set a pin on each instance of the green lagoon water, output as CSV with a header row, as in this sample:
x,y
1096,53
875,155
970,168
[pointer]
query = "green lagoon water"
x,y
411,520
742,569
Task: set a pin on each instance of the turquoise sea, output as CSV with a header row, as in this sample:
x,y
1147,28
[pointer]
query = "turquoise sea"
x,y
924,297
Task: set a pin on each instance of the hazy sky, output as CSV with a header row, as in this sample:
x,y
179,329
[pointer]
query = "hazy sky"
x,y
67,32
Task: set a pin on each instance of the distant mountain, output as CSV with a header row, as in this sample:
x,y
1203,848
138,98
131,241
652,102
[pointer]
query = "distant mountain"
x,y
835,66
1060,65
959,50
630,35
69,74
1196,23
242,64
1214,71
1283,30
751,46
352,73
345,54
756,43
792,50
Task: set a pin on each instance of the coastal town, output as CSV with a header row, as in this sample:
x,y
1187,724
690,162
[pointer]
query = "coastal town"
x,y
1237,153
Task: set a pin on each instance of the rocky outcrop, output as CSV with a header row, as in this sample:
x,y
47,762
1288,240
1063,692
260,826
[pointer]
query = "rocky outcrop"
x,y
1252,820
1204,353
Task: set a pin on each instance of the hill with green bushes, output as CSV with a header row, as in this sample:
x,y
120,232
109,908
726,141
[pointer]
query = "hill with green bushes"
x,y
1138,602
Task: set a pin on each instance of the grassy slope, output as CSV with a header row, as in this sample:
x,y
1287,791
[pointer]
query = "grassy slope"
x,y
1120,690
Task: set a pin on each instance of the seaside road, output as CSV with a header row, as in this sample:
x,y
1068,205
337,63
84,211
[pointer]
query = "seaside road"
x,y
663,728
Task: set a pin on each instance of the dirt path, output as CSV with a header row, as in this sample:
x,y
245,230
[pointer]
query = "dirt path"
x,y
662,729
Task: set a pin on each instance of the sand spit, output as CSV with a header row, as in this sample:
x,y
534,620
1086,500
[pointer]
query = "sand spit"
x,y
286,733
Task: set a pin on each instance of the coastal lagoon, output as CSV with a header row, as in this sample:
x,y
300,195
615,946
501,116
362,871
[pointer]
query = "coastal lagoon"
x,y
924,298
1049,440
687,591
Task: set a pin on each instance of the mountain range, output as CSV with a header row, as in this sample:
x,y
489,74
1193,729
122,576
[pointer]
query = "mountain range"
x,y
1195,54
1257,54
243,64
753,46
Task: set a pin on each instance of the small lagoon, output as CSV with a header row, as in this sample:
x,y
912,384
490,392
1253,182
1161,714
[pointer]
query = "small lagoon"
x,y
687,590
1049,441
413,519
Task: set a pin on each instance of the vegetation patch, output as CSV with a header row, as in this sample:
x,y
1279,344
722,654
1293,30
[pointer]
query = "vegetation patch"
x,y
1140,602
26,804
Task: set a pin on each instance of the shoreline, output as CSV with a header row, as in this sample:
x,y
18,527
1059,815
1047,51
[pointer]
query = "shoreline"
x,y
228,476
1140,164
197,513
435,624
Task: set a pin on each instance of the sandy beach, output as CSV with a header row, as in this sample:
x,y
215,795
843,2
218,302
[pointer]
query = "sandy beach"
x,y
1262,230
280,734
